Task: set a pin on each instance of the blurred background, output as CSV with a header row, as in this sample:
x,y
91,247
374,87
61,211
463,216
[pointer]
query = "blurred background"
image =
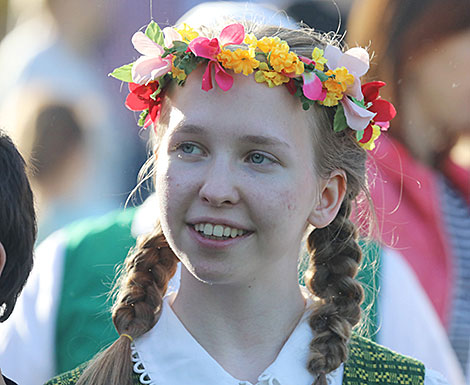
x,y
84,147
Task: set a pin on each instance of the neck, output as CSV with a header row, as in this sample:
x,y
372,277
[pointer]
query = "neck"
x,y
244,326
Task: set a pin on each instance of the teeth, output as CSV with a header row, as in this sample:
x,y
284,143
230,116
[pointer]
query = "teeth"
x,y
220,231
208,229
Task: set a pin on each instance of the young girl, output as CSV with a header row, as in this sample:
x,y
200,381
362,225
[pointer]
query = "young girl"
x,y
260,141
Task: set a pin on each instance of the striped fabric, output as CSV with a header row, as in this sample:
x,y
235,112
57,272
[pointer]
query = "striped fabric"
x,y
456,214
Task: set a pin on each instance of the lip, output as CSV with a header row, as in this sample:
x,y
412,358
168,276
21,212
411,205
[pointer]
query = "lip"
x,y
215,243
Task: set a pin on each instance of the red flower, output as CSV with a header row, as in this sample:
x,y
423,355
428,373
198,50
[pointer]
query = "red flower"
x,y
139,99
384,110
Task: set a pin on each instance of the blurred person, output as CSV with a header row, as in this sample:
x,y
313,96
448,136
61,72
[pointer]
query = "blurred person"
x,y
17,229
422,196
64,58
3,17
52,139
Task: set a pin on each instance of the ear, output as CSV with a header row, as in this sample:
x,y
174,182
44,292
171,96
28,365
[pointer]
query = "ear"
x,y
3,257
331,196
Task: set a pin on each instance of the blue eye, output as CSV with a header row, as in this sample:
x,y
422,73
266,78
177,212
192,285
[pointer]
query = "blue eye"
x,y
188,148
257,158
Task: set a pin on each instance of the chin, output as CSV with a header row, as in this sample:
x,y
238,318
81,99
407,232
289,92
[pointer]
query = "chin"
x,y
211,274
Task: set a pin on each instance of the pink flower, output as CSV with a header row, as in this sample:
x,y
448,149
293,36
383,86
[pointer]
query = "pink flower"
x,y
357,117
210,48
151,65
312,85
356,61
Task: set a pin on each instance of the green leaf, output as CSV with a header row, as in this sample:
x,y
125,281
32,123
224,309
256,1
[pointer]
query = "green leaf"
x,y
360,103
180,46
142,117
339,122
359,135
155,94
155,34
305,106
188,64
323,77
123,73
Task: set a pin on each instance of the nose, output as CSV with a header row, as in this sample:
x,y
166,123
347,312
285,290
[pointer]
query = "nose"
x,y
219,187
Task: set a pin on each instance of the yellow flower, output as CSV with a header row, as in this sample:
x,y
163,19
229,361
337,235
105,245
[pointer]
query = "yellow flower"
x,y
331,99
370,144
333,87
287,62
320,61
272,78
239,60
251,40
267,44
336,85
187,33
178,73
343,77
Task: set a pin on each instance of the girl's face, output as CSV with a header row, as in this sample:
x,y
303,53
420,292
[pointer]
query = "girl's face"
x,y
440,76
236,180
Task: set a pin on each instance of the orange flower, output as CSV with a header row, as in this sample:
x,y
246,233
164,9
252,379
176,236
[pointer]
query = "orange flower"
x,y
267,44
287,62
239,60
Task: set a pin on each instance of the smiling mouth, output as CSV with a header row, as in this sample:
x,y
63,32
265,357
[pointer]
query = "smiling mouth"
x,y
218,232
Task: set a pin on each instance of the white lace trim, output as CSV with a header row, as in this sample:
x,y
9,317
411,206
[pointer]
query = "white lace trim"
x,y
139,367
144,377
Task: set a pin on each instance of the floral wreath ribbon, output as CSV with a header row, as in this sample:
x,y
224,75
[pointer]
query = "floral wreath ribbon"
x,y
172,54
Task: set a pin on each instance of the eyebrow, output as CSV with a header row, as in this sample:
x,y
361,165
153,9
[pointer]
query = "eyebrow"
x,y
256,139
188,129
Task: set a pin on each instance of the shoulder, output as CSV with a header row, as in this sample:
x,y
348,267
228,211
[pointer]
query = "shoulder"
x,y
117,221
369,362
69,378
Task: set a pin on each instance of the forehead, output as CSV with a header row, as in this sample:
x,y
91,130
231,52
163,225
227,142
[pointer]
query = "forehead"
x,y
247,106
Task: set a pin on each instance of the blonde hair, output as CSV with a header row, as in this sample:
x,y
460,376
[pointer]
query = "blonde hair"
x,y
334,253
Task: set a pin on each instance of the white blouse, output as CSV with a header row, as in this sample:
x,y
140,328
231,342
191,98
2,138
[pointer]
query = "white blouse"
x,y
169,355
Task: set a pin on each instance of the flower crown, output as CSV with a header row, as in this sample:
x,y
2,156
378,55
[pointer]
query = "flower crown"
x,y
172,54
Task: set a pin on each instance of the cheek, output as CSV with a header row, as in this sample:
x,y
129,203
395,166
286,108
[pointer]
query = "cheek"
x,y
284,209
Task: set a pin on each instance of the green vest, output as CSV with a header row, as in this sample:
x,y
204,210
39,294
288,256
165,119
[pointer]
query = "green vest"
x,y
368,363
94,250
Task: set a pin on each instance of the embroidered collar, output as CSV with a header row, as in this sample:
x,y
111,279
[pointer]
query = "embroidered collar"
x,y
168,354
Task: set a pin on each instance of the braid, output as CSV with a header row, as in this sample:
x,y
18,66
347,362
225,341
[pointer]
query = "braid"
x,y
334,260
143,283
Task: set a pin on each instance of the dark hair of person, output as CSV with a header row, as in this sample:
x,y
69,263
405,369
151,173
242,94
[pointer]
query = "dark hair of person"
x,y
17,224
402,29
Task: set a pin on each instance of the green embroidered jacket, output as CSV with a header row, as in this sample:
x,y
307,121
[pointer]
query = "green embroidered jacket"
x,y
368,363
